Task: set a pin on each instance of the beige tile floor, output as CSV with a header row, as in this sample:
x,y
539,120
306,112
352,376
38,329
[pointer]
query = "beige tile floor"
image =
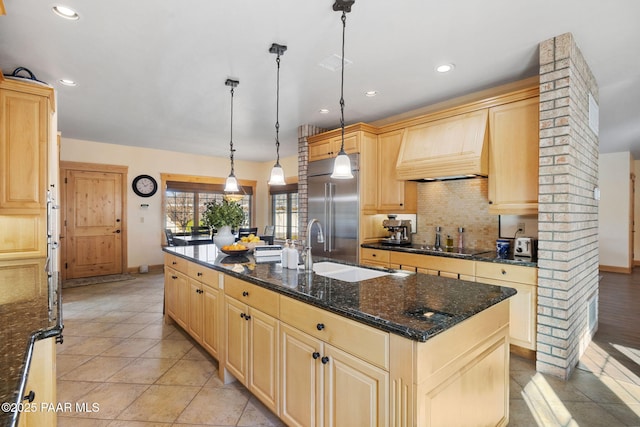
x,y
118,354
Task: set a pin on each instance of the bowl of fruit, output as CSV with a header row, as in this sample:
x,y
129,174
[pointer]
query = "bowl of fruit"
x,y
235,249
251,241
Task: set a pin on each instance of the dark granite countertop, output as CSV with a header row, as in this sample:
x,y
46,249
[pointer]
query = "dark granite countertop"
x,y
23,321
480,254
415,306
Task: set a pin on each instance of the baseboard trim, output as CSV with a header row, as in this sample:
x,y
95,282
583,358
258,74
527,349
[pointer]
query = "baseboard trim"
x,y
158,268
522,352
613,269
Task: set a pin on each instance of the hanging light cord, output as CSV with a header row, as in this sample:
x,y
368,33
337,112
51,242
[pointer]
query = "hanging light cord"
x,y
278,113
231,141
344,25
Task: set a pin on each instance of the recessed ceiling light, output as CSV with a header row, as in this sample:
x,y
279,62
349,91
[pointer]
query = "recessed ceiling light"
x,y
65,12
68,82
445,68
371,93
323,111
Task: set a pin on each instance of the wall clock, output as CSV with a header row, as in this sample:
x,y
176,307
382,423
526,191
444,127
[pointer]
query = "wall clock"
x,y
144,185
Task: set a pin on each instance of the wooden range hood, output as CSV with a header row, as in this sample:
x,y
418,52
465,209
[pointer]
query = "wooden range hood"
x,y
449,148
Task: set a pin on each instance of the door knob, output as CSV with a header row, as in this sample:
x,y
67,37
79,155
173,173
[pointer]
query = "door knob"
x,y
117,231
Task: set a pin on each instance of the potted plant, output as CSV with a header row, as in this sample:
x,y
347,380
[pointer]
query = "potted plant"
x,y
223,216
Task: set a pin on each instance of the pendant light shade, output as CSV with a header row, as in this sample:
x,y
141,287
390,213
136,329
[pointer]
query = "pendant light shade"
x,y
342,163
231,184
277,173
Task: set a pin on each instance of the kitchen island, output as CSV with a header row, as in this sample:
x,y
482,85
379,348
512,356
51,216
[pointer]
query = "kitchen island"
x,y
401,349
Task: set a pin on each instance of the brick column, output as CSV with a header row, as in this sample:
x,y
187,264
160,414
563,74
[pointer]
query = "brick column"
x,y
304,131
568,213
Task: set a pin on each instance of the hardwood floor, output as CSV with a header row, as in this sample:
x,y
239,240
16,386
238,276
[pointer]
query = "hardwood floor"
x,y
619,318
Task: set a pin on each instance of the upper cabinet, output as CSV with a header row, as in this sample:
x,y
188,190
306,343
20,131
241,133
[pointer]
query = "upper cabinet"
x,y
394,196
25,126
328,147
513,157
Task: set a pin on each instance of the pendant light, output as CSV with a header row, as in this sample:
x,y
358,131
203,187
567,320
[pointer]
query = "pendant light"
x,y
342,163
277,173
231,185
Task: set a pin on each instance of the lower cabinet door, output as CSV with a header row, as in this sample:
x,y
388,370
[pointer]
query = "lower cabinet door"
x,y
42,382
236,338
356,393
210,334
196,310
301,378
263,358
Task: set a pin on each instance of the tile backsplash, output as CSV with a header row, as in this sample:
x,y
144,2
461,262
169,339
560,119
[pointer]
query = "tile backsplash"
x,y
452,204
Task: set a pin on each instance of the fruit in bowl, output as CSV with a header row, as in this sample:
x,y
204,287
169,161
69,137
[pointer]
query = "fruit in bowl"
x,y
251,238
235,249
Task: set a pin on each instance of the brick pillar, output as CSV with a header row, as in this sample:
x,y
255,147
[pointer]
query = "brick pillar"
x,y
568,213
304,131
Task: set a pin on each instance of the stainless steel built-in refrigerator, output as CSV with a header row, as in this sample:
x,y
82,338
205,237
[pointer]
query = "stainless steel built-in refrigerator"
x,y
335,203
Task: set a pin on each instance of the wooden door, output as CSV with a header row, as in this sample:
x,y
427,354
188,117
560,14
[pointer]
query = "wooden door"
x,y
356,393
94,223
196,310
263,358
210,335
236,338
301,379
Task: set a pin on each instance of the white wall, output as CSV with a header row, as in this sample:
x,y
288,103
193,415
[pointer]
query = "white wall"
x,y
614,209
145,225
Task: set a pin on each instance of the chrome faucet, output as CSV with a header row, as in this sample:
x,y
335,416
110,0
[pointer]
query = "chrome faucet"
x,y
308,260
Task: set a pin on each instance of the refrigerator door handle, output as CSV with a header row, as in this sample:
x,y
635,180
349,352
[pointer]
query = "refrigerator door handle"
x,y
326,215
330,227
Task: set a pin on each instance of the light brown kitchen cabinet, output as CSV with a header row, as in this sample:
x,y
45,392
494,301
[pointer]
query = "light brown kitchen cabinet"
x,y
374,257
523,313
330,147
41,382
252,339
324,385
25,126
394,196
513,157
211,320
203,308
455,268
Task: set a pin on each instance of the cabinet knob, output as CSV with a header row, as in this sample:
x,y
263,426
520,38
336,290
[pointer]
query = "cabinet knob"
x,y
173,262
374,255
174,277
315,355
199,274
245,294
504,271
325,360
320,326
247,317
242,315
490,202
401,204
30,396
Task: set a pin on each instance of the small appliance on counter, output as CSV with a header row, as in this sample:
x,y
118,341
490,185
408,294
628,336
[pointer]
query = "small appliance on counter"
x,y
525,247
399,231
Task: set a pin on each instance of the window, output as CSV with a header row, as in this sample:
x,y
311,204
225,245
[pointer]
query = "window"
x,y
185,203
284,211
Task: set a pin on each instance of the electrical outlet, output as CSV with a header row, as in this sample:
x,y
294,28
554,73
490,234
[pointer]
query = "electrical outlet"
x,y
521,227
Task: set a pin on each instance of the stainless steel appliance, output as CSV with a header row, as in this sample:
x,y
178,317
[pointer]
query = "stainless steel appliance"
x,y
525,247
335,203
399,231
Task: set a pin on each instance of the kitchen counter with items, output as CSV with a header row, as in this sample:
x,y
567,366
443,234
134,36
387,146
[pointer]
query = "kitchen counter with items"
x,y
347,345
395,303
485,255
24,320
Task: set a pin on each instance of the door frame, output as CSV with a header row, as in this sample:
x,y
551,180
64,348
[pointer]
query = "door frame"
x,y
92,167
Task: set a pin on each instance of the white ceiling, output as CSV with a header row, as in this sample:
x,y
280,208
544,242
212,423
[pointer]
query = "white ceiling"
x,y
151,73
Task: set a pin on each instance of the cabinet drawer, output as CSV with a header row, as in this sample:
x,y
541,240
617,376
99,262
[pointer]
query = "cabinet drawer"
x,y
255,296
436,263
360,340
506,272
175,262
376,255
202,274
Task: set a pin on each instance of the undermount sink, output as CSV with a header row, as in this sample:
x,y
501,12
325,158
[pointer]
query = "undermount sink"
x,y
346,273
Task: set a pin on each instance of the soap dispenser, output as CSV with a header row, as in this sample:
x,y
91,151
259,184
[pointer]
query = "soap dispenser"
x,y
285,255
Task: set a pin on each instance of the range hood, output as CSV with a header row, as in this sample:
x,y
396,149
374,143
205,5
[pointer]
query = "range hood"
x,y
450,148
